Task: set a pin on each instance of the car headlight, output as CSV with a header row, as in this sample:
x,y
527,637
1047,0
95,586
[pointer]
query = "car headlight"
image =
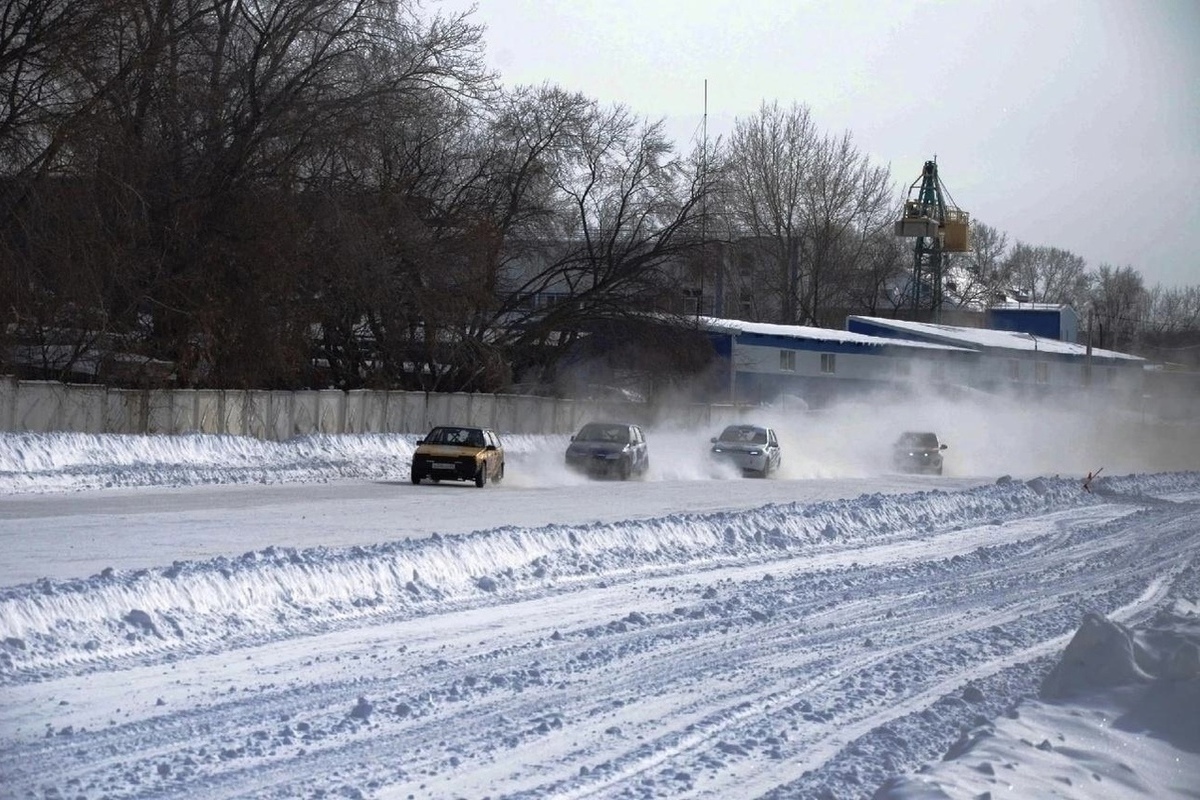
x,y
756,452
717,450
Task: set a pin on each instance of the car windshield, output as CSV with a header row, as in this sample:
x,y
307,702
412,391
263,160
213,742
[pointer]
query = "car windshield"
x,y
597,432
918,440
466,437
744,435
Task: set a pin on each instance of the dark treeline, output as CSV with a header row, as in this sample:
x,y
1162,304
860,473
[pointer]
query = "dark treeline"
x,y
238,194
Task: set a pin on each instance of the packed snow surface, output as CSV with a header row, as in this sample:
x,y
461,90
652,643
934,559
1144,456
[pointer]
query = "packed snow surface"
x,y
223,617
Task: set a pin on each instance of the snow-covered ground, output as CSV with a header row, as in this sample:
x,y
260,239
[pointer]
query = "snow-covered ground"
x,y
222,617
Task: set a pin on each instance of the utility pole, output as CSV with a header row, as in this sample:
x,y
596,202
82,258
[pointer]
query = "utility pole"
x,y
1087,361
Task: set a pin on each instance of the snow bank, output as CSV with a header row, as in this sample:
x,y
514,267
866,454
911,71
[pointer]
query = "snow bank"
x,y
49,462
287,591
1119,717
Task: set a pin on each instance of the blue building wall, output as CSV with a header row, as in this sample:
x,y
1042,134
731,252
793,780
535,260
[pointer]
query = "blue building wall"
x,y
1047,323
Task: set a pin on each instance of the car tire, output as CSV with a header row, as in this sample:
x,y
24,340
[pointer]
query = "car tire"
x,y
481,477
499,476
624,470
416,478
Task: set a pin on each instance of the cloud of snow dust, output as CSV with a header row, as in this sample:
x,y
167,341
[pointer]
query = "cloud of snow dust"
x,y
986,434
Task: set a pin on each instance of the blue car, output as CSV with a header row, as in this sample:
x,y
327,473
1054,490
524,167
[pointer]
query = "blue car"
x,y
615,449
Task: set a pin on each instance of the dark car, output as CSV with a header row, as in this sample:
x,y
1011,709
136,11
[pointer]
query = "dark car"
x,y
918,451
457,453
616,449
753,449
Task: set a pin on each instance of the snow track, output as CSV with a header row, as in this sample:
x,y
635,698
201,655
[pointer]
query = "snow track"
x,y
789,650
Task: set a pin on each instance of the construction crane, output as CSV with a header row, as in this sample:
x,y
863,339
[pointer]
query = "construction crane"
x,y
939,226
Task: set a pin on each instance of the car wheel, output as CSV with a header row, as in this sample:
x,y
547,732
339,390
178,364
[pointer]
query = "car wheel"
x,y
623,470
499,476
416,478
481,476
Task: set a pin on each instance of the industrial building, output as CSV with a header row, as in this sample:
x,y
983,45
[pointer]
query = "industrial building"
x,y
764,363
1019,360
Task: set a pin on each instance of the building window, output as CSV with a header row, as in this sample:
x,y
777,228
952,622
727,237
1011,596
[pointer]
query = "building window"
x,y
691,301
1041,372
1014,369
828,363
787,360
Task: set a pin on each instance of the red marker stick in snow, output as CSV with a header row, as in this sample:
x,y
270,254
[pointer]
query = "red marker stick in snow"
x,y
1087,482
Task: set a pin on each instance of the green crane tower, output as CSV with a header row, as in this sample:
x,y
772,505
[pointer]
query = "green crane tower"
x,y
939,226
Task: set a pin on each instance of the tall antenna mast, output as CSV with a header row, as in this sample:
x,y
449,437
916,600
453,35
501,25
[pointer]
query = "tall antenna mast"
x,y
703,200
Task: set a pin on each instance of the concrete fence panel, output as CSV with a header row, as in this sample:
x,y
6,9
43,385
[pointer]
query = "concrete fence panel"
x,y
331,411
506,414
37,407
365,411
566,416
8,403
281,414
233,412
210,412
172,411
125,411
83,409
440,409
305,414
256,414
405,412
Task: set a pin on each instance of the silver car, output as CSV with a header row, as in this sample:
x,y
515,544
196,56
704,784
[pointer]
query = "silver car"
x,y
753,449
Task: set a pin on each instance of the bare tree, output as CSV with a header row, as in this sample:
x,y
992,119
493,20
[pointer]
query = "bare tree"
x,y
881,273
976,279
771,157
206,135
1119,305
847,201
1048,275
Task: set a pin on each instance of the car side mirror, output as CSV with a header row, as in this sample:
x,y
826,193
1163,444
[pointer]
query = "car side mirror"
x,y
943,447
490,447
420,442
713,440
572,437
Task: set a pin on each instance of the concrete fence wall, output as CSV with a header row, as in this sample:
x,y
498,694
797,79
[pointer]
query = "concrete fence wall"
x,y
43,407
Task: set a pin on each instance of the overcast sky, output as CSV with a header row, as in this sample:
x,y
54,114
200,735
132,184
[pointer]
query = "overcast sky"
x,y
1073,123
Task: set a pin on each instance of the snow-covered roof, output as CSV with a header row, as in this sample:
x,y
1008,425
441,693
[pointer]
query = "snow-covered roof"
x,y
991,339
1014,305
816,334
